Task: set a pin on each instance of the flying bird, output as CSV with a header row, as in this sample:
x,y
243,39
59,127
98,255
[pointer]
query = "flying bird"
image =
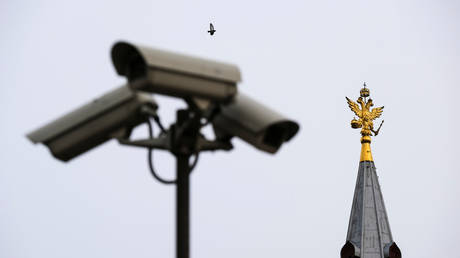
x,y
211,29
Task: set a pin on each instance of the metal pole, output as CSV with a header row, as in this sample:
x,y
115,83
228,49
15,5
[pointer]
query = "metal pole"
x,y
182,209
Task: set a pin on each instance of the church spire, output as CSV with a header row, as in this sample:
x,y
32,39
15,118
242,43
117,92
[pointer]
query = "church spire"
x,y
369,234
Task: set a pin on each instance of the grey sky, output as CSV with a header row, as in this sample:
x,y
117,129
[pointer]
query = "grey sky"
x,y
299,57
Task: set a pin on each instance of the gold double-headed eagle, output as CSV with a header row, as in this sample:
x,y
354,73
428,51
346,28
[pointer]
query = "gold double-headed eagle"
x,y
366,116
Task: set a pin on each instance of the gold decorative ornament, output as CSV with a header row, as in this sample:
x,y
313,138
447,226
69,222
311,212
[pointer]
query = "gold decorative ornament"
x,y
364,121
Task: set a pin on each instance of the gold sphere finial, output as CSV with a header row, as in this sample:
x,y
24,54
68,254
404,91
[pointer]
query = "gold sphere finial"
x,y
364,92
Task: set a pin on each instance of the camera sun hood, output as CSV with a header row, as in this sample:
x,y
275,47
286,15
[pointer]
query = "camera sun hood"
x,y
255,123
112,115
173,74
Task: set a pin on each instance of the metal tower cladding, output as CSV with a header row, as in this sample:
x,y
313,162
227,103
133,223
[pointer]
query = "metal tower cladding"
x,y
369,234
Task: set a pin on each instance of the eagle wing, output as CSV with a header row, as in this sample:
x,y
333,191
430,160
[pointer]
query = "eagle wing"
x,y
354,107
211,26
376,113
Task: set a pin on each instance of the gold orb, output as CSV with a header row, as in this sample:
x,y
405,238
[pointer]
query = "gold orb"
x,y
355,124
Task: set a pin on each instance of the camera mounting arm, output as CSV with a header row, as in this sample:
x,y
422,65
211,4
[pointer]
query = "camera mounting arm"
x,y
183,139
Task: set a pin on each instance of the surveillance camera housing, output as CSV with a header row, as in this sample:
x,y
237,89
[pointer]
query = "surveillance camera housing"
x,y
177,75
112,115
255,123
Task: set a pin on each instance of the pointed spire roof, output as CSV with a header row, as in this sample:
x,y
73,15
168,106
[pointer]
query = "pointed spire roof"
x,y
369,234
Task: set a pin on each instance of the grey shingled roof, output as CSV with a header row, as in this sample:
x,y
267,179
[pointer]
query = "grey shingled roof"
x,y
369,234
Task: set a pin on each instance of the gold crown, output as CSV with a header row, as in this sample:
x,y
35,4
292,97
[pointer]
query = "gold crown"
x,y
364,92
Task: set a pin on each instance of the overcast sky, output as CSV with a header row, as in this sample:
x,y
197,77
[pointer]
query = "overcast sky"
x,y
299,57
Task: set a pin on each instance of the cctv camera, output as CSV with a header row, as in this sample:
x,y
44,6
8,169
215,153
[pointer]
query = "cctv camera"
x,y
177,75
255,123
113,115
